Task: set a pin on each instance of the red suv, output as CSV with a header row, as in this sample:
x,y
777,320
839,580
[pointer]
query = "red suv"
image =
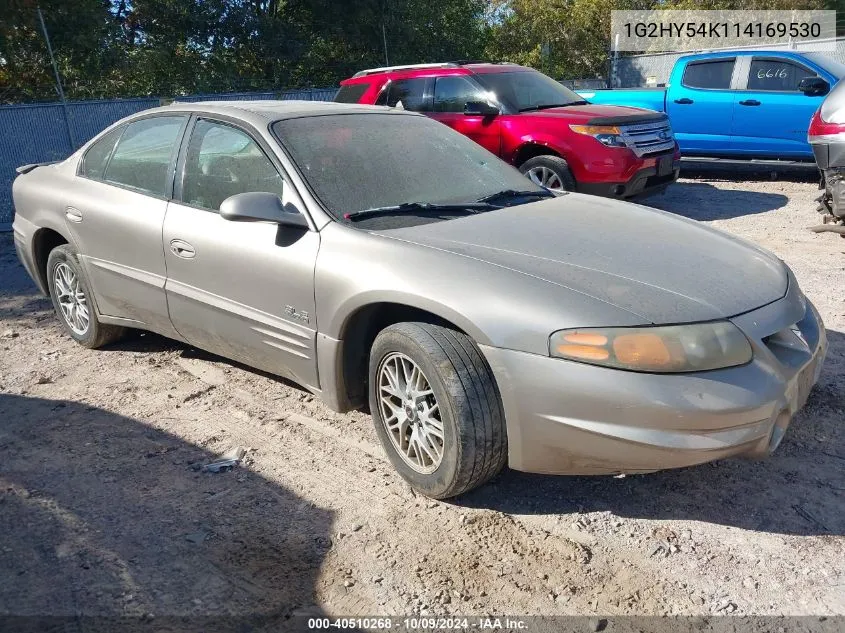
x,y
547,131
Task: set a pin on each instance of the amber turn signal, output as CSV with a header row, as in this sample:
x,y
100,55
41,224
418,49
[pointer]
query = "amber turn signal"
x,y
584,352
642,349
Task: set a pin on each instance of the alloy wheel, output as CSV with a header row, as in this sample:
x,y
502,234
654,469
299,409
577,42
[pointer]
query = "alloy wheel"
x,y
545,177
71,299
410,413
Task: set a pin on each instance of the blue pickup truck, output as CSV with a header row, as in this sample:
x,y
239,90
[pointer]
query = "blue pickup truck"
x,y
739,104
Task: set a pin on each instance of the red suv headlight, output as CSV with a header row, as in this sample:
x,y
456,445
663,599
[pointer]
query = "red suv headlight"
x,y
609,135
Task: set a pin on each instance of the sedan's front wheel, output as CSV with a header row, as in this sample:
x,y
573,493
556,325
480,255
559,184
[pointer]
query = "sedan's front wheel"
x,y
71,295
436,408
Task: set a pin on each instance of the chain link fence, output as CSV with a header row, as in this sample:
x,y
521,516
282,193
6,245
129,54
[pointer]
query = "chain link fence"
x,y
41,132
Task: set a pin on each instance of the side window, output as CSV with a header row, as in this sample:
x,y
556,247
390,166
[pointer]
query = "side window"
x,y
351,93
222,161
143,155
712,75
452,93
407,92
776,75
97,156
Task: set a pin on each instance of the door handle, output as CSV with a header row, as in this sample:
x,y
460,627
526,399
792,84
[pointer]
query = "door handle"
x,y
74,215
750,102
684,101
182,249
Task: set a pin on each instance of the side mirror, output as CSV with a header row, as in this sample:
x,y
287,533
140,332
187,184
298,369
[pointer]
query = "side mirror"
x,y
480,108
261,206
814,86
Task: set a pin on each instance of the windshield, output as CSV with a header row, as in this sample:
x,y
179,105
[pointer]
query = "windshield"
x,y
527,90
835,68
354,162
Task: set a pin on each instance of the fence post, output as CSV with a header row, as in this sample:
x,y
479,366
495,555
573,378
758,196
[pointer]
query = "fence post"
x,y
614,63
58,81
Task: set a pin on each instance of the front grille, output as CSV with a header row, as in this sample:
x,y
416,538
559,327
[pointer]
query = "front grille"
x,y
646,139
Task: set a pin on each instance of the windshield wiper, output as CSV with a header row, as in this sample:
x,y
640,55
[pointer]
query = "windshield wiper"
x,y
514,193
545,106
412,207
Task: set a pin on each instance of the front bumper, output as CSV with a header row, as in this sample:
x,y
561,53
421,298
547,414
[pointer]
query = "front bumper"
x,y
570,418
644,182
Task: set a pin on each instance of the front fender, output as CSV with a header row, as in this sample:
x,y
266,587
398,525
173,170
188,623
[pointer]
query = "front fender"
x,y
552,142
354,303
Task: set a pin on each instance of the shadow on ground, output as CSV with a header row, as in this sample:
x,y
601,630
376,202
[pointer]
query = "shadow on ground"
x,y
702,201
756,171
84,537
799,490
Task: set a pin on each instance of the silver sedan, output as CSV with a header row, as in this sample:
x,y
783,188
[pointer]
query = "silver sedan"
x,y
380,259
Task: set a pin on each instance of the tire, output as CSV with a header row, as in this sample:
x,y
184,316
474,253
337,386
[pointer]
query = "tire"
x,y
474,439
556,168
95,334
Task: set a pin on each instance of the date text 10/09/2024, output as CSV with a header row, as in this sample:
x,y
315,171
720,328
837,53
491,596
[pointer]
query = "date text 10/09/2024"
x,y
420,624
749,30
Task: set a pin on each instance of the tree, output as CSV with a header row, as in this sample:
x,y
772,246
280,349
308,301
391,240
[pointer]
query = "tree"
x,y
570,39
564,38
82,36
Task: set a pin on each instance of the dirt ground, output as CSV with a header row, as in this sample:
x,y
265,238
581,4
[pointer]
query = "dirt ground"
x,y
104,511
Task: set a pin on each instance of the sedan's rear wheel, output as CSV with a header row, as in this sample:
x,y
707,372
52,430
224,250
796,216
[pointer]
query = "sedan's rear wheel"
x,y
72,300
436,408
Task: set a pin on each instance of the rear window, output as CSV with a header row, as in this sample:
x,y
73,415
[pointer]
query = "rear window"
x,y
408,94
143,156
351,93
715,75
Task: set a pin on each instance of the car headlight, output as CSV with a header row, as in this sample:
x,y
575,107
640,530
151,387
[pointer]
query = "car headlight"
x,y
664,349
609,135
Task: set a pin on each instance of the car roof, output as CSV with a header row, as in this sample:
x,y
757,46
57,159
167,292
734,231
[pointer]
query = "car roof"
x,y
261,112
433,70
742,52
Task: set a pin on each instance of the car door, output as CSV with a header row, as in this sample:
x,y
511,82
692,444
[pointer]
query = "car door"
x,y
701,108
115,215
451,94
244,290
771,115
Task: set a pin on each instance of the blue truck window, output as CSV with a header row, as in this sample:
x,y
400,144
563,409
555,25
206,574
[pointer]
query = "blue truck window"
x,y
712,75
776,75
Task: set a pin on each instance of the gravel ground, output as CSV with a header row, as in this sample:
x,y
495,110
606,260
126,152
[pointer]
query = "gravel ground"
x,y
103,510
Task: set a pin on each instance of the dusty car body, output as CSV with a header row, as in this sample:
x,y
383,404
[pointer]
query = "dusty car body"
x,y
827,138
485,320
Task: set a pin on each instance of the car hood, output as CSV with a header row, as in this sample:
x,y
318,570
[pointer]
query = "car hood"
x,y
586,113
656,265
